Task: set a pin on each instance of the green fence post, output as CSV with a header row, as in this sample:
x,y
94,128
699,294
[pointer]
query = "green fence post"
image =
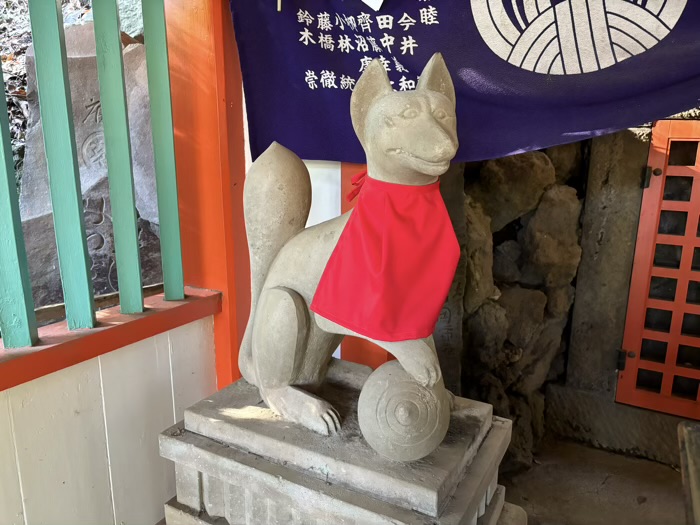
x,y
163,146
17,319
62,161
110,68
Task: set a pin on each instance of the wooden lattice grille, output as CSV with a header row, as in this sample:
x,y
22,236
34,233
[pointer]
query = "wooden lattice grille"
x,y
662,330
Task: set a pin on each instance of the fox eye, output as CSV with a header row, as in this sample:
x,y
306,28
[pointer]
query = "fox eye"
x,y
440,114
409,113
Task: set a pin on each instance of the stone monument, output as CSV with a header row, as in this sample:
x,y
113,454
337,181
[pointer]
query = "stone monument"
x,y
305,438
35,202
87,119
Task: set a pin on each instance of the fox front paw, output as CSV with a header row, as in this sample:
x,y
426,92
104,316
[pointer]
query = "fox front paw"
x,y
424,370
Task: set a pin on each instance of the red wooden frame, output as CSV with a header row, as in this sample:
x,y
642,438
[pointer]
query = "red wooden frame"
x,y
653,203
59,347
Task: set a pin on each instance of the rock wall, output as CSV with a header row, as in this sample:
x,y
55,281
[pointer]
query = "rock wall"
x,y
521,253
545,294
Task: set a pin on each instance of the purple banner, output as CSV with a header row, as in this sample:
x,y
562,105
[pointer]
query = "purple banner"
x,y
528,73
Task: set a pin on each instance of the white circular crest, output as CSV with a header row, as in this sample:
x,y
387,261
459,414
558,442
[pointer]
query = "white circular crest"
x,y
573,36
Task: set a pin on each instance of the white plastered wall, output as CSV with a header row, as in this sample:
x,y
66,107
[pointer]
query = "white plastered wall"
x,y
80,446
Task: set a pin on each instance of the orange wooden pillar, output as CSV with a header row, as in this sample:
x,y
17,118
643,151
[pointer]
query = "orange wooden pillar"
x,y
352,348
208,119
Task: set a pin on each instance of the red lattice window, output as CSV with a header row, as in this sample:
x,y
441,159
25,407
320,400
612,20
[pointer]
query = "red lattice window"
x,y
662,330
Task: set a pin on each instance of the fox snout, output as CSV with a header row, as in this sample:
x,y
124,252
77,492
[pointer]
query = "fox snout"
x,y
438,145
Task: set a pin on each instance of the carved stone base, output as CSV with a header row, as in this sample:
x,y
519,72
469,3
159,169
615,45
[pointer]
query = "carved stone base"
x,y
238,463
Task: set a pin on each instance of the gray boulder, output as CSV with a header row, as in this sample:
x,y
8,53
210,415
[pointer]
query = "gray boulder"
x,y
537,405
566,160
525,312
506,258
486,334
536,362
509,187
560,300
43,257
490,390
130,17
35,202
551,249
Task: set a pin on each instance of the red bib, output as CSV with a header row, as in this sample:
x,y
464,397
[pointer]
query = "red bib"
x,y
394,263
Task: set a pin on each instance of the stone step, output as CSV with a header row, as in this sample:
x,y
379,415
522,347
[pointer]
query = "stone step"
x,y
493,510
498,512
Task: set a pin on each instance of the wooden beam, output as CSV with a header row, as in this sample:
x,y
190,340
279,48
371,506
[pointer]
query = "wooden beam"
x,y
17,319
155,36
64,175
110,68
59,348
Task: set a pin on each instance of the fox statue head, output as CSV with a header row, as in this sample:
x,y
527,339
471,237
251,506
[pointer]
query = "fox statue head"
x,y
409,137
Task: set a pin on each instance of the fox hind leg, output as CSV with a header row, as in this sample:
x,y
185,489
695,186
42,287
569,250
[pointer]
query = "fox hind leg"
x,y
280,337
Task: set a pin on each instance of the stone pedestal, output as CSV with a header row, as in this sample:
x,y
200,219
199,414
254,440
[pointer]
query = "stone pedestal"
x,y
238,463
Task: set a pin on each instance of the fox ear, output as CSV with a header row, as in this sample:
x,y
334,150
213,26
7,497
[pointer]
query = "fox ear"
x,y
373,84
436,77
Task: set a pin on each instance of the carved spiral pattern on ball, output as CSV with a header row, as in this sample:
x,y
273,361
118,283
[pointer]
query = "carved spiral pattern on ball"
x,y
401,419
407,413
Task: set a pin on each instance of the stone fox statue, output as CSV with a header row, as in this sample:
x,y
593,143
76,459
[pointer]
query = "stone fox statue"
x,y
409,139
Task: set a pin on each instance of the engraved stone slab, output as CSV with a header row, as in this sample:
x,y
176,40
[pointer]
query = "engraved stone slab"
x,y
43,256
237,416
87,120
35,202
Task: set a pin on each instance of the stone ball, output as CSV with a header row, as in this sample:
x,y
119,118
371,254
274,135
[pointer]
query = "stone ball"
x,y
399,418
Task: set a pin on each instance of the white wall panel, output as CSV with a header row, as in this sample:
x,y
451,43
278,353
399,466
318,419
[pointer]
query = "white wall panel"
x,y
326,195
193,364
11,512
87,436
138,405
61,448
325,190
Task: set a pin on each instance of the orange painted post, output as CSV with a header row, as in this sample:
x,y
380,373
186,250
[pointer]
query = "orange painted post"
x,y
209,148
352,348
